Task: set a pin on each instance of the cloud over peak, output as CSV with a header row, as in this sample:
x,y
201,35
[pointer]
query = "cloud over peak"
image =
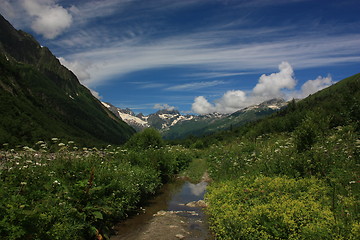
x,y
164,107
268,86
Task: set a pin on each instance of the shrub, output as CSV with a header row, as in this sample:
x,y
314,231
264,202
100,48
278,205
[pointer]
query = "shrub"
x,y
149,138
271,208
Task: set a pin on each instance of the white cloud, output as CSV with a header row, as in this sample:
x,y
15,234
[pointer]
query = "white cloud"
x,y
163,107
268,86
202,106
312,86
271,85
78,68
48,18
230,102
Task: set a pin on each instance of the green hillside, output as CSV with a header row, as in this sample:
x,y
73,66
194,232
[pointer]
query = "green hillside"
x,y
41,99
293,175
336,105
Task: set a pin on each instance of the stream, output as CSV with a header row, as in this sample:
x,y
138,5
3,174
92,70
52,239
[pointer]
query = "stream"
x,y
168,215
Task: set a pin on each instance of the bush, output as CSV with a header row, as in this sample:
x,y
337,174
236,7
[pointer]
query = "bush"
x,y
312,127
271,208
149,138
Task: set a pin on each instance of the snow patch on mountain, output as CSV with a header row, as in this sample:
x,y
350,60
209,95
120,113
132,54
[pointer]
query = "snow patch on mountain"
x,y
164,119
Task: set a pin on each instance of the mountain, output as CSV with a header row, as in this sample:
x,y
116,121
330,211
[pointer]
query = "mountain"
x,y
161,120
174,125
41,99
329,108
203,125
137,122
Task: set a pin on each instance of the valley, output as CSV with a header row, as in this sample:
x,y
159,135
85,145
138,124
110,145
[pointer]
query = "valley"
x,y
173,125
74,167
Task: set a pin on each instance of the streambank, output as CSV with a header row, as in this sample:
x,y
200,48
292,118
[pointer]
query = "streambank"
x,y
175,213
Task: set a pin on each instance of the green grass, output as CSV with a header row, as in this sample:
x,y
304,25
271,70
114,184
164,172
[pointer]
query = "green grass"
x,y
195,171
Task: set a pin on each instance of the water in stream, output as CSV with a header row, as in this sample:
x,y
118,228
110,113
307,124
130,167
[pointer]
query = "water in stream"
x,y
172,197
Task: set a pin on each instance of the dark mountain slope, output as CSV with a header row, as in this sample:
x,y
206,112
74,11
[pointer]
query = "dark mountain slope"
x,y
41,99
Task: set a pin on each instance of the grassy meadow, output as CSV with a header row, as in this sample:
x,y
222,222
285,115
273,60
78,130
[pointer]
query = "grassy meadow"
x,y
293,175
55,190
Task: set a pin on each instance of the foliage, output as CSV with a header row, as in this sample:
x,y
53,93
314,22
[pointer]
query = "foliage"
x,y
54,190
148,138
271,208
294,175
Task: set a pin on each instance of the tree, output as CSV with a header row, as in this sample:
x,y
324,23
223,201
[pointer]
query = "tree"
x,y
149,138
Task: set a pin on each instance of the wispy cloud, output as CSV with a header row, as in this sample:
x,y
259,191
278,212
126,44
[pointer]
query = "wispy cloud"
x,y
128,43
208,53
195,85
146,85
216,74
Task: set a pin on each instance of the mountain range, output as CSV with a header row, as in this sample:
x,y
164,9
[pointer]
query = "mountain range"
x,y
41,99
174,125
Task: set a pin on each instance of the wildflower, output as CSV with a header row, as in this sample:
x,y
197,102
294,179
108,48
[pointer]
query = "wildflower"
x,y
40,143
352,182
23,183
71,142
56,182
54,139
61,144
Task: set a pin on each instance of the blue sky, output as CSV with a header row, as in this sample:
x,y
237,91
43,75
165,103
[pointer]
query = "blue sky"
x,y
197,56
